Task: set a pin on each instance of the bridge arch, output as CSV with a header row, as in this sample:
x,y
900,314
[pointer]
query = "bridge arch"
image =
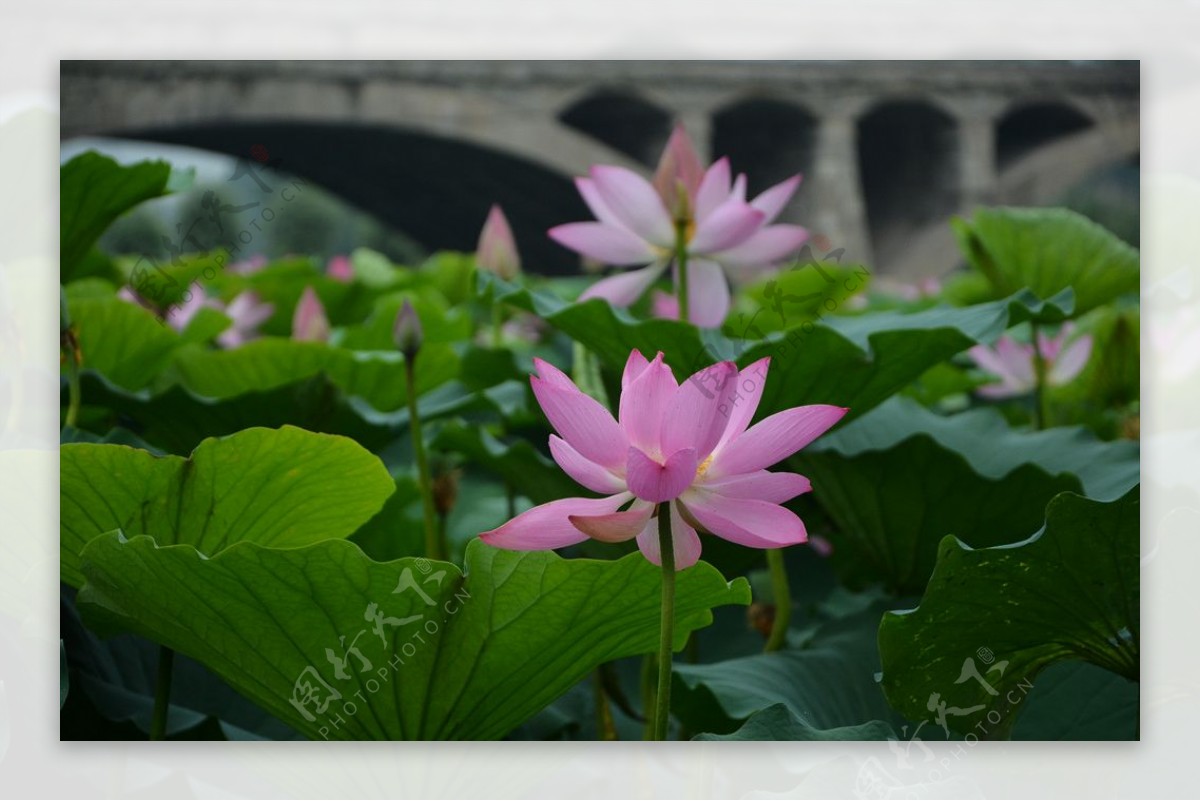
x,y
1030,124
622,120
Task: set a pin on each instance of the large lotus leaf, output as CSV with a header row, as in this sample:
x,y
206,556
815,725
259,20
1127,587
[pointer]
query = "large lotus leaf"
x,y
777,722
827,687
285,487
1049,250
122,341
94,191
993,618
850,361
899,479
264,364
342,647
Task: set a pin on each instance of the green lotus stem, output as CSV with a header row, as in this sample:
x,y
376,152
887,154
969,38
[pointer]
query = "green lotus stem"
x,y
434,546
497,324
606,728
783,600
162,693
662,699
1040,417
681,265
649,669
75,394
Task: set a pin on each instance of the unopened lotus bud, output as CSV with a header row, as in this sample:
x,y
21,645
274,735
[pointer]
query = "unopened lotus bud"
x,y
407,334
679,174
309,324
497,251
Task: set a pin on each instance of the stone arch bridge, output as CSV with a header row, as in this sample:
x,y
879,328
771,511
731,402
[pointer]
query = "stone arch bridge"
x,y
889,150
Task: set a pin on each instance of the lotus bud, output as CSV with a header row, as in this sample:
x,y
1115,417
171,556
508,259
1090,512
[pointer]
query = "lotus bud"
x,y
309,324
407,334
497,251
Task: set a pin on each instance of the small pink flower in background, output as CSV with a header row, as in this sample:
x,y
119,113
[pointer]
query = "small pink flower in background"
x,y
246,313
664,305
248,266
179,315
1013,362
636,223
340,268
309,323
497,250
688,444
928,287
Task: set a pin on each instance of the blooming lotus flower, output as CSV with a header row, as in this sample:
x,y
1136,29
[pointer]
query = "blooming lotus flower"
x,y
340,268
687,444
309,323
247,313
1013,362
497,251
637,224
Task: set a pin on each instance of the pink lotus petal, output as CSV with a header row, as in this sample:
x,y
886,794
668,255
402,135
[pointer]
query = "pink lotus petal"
x,y
591,196
664,305
551,374
685,541
654,482
604,243
708,294
616,526
549,525
634,366
497,249
820,545
739,187
765,246
762,486
586,472
1016,359
579,419
755,524
774,439
692,418
714,190
309,323
741,400
624,289
730,224
634,202
678,167
773,200
643,404
1071,361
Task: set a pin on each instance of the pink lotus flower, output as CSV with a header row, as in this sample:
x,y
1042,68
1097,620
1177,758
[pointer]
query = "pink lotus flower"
x,y
687,444
638,223
248,266
340,268
309,323
247,314
497,250
1013,362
